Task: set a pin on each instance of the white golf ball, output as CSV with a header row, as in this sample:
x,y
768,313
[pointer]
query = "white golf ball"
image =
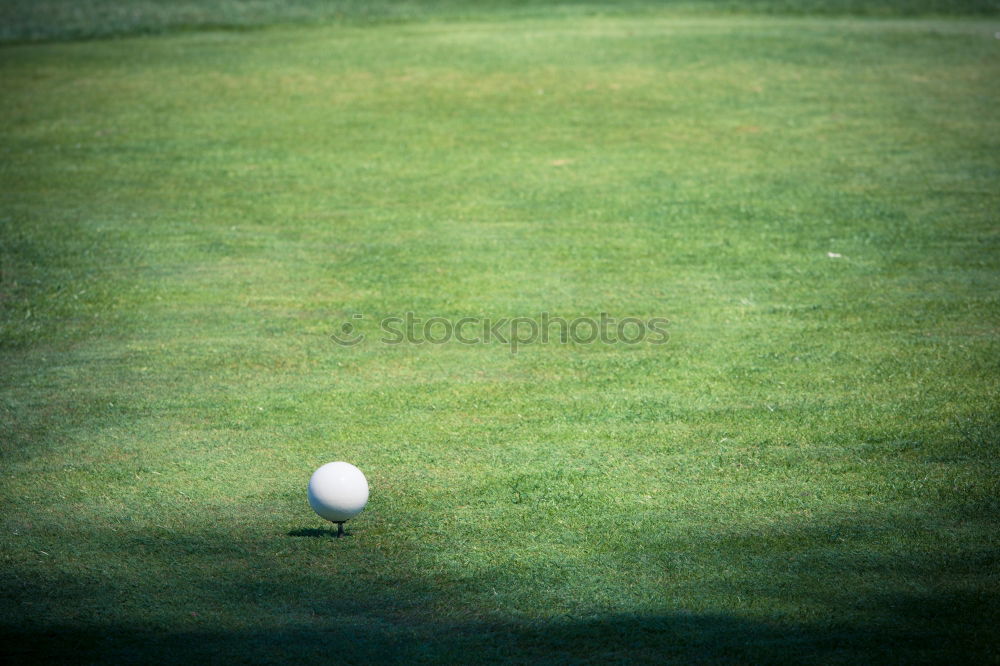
x,y
338,491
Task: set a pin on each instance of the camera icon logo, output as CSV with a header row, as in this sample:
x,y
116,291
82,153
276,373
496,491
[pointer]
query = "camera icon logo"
x,y
347,335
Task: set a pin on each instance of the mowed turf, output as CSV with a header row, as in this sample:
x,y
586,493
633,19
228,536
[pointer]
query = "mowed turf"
x,y
807,471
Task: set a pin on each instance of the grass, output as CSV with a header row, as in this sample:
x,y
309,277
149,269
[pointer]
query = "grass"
x,y
47,20
806,472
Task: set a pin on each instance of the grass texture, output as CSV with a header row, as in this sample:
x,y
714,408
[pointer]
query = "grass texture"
x,y
47,20
806,472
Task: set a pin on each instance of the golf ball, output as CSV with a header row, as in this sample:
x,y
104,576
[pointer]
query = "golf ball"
x,y
338,491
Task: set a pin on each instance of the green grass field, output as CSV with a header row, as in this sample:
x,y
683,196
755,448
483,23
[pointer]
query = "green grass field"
x,y
807,471
46,20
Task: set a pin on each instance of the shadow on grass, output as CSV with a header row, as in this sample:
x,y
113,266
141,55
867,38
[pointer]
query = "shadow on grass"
x,y
226,603
680,638
317,532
